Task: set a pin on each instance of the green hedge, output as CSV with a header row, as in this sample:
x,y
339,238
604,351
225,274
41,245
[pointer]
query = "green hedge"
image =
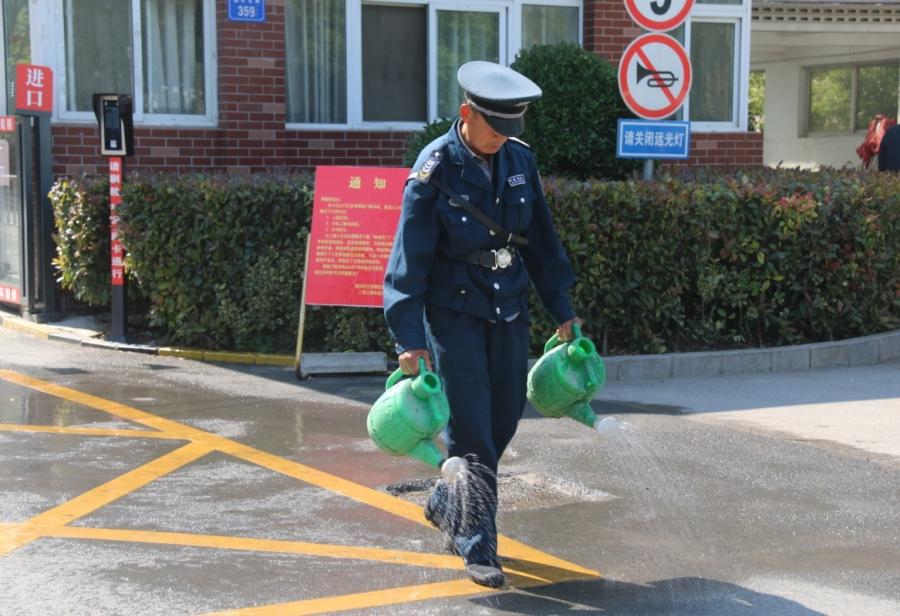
x,y
696,260
720,260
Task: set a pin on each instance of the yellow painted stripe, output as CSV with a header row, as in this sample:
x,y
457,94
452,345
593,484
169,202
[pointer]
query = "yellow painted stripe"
x,y
102,495
363,600
534,558
394,557
86,431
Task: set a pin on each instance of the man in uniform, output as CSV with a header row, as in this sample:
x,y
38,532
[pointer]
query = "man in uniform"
x,y
474,230
889,150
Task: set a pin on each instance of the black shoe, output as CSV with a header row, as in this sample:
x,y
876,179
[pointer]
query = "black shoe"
x,y
436,507
489,575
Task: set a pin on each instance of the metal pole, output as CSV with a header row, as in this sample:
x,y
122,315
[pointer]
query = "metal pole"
x,y
298,353
46,282
26,160
648,169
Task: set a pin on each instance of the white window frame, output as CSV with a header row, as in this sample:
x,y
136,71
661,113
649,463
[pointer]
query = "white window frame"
x,y
510,12
740,16
54,55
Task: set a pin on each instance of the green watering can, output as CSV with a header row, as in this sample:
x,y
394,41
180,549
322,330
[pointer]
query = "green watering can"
x,y
409,414
565,379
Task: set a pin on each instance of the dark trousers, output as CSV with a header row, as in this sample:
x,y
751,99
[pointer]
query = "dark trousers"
x,y
483,366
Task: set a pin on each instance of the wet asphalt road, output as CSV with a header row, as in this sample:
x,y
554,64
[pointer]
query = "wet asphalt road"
x,y
704,505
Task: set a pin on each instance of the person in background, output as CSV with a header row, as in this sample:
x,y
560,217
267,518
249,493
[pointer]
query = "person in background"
x,y
474,232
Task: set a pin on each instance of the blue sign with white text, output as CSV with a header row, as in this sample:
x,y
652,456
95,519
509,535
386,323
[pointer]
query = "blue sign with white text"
x,y
247,10
653,139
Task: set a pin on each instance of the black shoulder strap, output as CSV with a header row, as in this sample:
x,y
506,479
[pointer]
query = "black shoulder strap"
x,y
481,216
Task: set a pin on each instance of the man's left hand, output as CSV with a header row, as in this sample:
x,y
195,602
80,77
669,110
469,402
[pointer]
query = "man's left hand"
x,y
564,332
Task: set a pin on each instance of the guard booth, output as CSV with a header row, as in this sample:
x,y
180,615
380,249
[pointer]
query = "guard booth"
x,y
26,216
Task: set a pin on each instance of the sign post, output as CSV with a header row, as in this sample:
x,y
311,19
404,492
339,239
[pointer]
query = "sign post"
x,y
355,213
114,115
654,80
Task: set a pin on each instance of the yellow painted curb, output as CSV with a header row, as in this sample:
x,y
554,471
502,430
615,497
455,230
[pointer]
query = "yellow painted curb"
x,y
21,325
262,359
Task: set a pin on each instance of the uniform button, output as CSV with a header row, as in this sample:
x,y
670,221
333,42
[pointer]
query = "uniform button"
x,y
497,200
497,285
462,291
522,199
491,231
498,310
464,219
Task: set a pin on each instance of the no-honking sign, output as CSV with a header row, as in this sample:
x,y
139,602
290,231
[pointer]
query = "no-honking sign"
x,y
654,76
659,15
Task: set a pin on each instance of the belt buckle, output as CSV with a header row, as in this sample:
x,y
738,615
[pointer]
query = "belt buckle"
x,y
502,258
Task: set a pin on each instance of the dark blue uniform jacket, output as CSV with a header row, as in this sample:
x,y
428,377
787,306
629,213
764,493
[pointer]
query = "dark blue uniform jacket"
x,y
434,232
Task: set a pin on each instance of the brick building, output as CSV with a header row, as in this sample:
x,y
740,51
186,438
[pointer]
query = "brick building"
x,y
331,82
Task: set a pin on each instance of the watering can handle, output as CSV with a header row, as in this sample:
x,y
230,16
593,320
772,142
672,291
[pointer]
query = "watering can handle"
x,y
554,339
397,375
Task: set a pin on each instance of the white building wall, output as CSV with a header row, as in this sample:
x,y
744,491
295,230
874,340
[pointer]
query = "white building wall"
x,y
785,109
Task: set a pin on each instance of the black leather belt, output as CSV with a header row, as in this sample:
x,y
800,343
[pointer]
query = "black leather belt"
x,y
501,258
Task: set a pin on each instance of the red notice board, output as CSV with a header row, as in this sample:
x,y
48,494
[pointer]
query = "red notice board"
x,y
355,213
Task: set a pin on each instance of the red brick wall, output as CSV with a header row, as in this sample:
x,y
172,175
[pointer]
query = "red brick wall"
x,y
251,137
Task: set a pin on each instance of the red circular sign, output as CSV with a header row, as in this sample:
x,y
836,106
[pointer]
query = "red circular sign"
x,y
659,15
654,76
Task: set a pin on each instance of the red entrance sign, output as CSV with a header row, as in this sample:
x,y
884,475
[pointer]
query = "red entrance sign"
x,y
117,250
654,76
659,15
355,213
34,89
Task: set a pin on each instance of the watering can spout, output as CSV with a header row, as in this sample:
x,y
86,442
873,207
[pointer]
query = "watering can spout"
x,y
583,413
427,452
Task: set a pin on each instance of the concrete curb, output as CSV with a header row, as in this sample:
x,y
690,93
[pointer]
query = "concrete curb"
x,y
861,351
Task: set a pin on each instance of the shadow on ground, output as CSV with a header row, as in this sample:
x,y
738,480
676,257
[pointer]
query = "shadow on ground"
x,y
688,596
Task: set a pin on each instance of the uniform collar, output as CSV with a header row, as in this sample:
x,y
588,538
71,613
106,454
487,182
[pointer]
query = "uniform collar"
x,y
462,155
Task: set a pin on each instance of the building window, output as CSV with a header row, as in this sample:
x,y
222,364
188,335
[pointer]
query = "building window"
x,y
16,47
462,36
845,98
393,83
713,66
717,37
546,25
159,51
393,63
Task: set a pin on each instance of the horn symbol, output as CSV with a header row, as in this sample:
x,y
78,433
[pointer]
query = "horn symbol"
x,y
658,79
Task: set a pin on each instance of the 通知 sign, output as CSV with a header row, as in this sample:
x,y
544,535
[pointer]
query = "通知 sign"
x,y
355,214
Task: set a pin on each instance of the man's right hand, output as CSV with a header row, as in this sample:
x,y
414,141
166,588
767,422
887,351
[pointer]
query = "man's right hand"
x,y
409,361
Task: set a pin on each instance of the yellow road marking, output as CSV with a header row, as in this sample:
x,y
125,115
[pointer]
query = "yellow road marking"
x,y
90,501
528,566
363,600
394,557
88,431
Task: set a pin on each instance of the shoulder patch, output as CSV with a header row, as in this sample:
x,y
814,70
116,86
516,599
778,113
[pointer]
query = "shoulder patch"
x,y
424,174
520,142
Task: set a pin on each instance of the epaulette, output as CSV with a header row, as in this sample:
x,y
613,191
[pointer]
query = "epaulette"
x,y
520,142
428,168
